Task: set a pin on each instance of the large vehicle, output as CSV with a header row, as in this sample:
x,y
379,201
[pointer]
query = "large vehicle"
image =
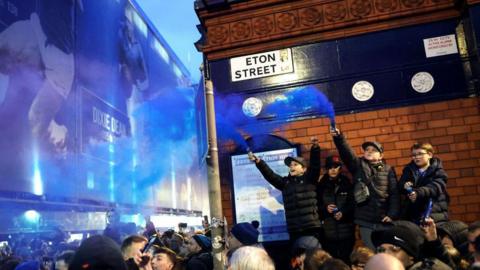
x,y
96,112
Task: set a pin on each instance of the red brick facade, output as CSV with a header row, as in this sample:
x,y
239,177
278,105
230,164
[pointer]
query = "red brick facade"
x,y
452,127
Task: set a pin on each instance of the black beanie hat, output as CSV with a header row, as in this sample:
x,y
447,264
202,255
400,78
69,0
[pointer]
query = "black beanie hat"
x,y
98,252
404,234
456,230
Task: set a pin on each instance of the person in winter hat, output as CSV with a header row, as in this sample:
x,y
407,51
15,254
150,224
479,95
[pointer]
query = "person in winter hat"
x,y
454,233
98,252
402,241
200,257
242,234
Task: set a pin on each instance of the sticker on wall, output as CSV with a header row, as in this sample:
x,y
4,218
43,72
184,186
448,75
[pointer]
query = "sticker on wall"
x,y
362,90
422,82
252,106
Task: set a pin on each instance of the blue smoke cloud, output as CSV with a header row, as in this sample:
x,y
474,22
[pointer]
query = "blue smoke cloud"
x,y
232,122
300,100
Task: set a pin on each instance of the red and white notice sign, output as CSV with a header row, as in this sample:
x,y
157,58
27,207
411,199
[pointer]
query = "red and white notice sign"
x,y
438,46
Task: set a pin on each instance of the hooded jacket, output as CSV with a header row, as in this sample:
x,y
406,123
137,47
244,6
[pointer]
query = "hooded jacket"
x,y
432,184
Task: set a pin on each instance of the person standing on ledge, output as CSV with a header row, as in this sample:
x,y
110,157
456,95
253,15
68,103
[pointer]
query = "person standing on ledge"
x,y
298,191
377,199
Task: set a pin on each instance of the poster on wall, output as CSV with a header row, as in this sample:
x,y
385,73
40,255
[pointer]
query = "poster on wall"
x,y
86,88
256,199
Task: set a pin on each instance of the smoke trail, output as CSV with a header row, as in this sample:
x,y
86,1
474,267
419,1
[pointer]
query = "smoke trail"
x,y
229,117
231,120
300,100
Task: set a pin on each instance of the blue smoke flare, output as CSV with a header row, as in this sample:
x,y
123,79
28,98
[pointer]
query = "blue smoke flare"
x,y
231,121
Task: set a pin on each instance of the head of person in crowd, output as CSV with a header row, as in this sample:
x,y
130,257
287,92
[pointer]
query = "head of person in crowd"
x,y
360,256
198,244
176,242
476,253
132,245
300,248
402,240
454,233
430,264
460,263
314,258
112,217
333,165
250,258
334,264
296,165
98,252
164,259
173,240
421,154
242,234
149,228
473,233
383,261
10,262
372,151
63,260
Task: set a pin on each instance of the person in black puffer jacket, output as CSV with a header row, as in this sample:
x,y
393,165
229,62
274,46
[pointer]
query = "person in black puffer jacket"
x,y
298,192
424,179
383,203
335,193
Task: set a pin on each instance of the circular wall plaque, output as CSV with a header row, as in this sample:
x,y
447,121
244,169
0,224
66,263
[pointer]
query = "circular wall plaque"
x,y
362,90
422,82
252,106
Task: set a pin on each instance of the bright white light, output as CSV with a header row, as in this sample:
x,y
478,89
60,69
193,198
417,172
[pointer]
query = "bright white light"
x,y
142,27
189,193
37,182
32,216
90,180
161,51
174,191
177,71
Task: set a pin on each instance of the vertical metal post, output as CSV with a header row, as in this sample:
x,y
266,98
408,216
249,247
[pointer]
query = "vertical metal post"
x,y
214,190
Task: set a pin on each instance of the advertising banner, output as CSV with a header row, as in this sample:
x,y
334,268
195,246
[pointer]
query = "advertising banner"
x,y
256,199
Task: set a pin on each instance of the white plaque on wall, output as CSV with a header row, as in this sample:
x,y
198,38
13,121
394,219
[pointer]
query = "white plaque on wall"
x,y
422,82
261,65
438,46
362,90
252,106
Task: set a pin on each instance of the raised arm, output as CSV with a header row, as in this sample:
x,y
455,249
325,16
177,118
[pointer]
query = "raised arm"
x,y
346,153
269,175
314,167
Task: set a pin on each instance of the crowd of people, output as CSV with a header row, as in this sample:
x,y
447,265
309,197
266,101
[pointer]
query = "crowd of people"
x,y
402,224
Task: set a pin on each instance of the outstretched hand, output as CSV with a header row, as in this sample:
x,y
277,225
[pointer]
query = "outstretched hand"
x,y
430,229
252,157
334,131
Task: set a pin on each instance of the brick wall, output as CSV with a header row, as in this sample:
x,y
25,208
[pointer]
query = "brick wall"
x,y
452,127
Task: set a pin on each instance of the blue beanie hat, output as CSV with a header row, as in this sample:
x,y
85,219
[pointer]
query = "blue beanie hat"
x,y
204,242
245,233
